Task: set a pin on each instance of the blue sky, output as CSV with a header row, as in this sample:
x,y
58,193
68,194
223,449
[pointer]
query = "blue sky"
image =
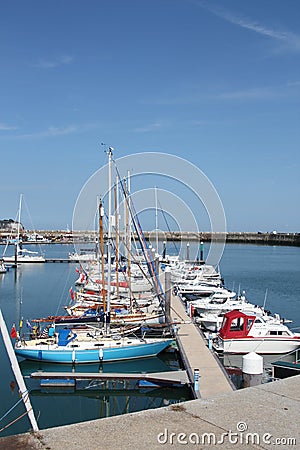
x,y
214,82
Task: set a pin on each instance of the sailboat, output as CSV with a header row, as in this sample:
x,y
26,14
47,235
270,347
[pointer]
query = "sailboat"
x,y
22,255
81,345
74,347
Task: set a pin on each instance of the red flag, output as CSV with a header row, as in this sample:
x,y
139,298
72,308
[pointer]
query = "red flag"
x,y
82,278
13,332
72,293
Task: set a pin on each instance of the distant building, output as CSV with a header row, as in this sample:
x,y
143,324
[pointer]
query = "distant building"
x,y
9,226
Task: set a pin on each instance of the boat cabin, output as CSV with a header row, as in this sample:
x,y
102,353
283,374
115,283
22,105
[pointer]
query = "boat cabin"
x,y
236,325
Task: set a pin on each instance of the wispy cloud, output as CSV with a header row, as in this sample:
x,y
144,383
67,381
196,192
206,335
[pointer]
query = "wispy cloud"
x,y
201,122
4,127
293,83
287,38
288,91
262,93
49,132
151,127
53,63
52,131
285,91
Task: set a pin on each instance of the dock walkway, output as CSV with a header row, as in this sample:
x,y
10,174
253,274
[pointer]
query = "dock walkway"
x,y
196,355
172,377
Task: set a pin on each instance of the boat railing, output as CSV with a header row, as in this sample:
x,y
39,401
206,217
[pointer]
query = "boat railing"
x,y
293,356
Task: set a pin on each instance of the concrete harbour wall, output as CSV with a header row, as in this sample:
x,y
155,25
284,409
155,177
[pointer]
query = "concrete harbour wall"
x,y
273,238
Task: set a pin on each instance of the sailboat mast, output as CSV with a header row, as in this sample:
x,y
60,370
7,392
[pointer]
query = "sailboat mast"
x,y
101,215
17,244
109,234
156,219
19,215
117,234
128,237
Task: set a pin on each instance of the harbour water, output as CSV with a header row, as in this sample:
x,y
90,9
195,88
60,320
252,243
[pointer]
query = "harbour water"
x,y
39,290
43,289
270,276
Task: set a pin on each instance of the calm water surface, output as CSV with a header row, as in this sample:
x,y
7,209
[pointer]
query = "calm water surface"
x,y
40,290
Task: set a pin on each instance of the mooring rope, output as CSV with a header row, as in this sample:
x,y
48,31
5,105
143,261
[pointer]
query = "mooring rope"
x,y
22,398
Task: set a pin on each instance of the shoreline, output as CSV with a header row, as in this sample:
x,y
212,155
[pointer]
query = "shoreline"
x,y
85,237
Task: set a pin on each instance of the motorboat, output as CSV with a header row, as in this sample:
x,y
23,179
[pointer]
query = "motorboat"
x,y
201,289
187,273
218,302
242,333
212,321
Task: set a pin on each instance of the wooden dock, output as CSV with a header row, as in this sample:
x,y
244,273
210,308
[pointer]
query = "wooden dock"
x,y
179,377
61,260
213,379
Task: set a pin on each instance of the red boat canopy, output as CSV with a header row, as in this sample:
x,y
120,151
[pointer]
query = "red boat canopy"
x,y
236,324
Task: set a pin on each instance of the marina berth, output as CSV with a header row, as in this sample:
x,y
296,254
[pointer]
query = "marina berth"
x,y
121,311
241,333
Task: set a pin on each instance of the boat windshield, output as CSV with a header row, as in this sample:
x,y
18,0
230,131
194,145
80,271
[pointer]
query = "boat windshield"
x,y
237,324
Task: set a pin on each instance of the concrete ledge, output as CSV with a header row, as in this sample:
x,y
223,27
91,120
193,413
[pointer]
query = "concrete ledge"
x,y
260,415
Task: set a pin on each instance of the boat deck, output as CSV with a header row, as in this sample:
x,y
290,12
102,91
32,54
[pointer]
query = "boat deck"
x,y
213,379
84,339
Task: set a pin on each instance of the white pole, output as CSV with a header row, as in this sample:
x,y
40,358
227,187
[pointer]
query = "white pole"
x,y
17,244
19,215
156,220
265,300
17,373
129,223
128,246
109,234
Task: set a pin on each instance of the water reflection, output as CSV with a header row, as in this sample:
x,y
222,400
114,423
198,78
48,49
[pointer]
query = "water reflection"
x,y
165,362
92,399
